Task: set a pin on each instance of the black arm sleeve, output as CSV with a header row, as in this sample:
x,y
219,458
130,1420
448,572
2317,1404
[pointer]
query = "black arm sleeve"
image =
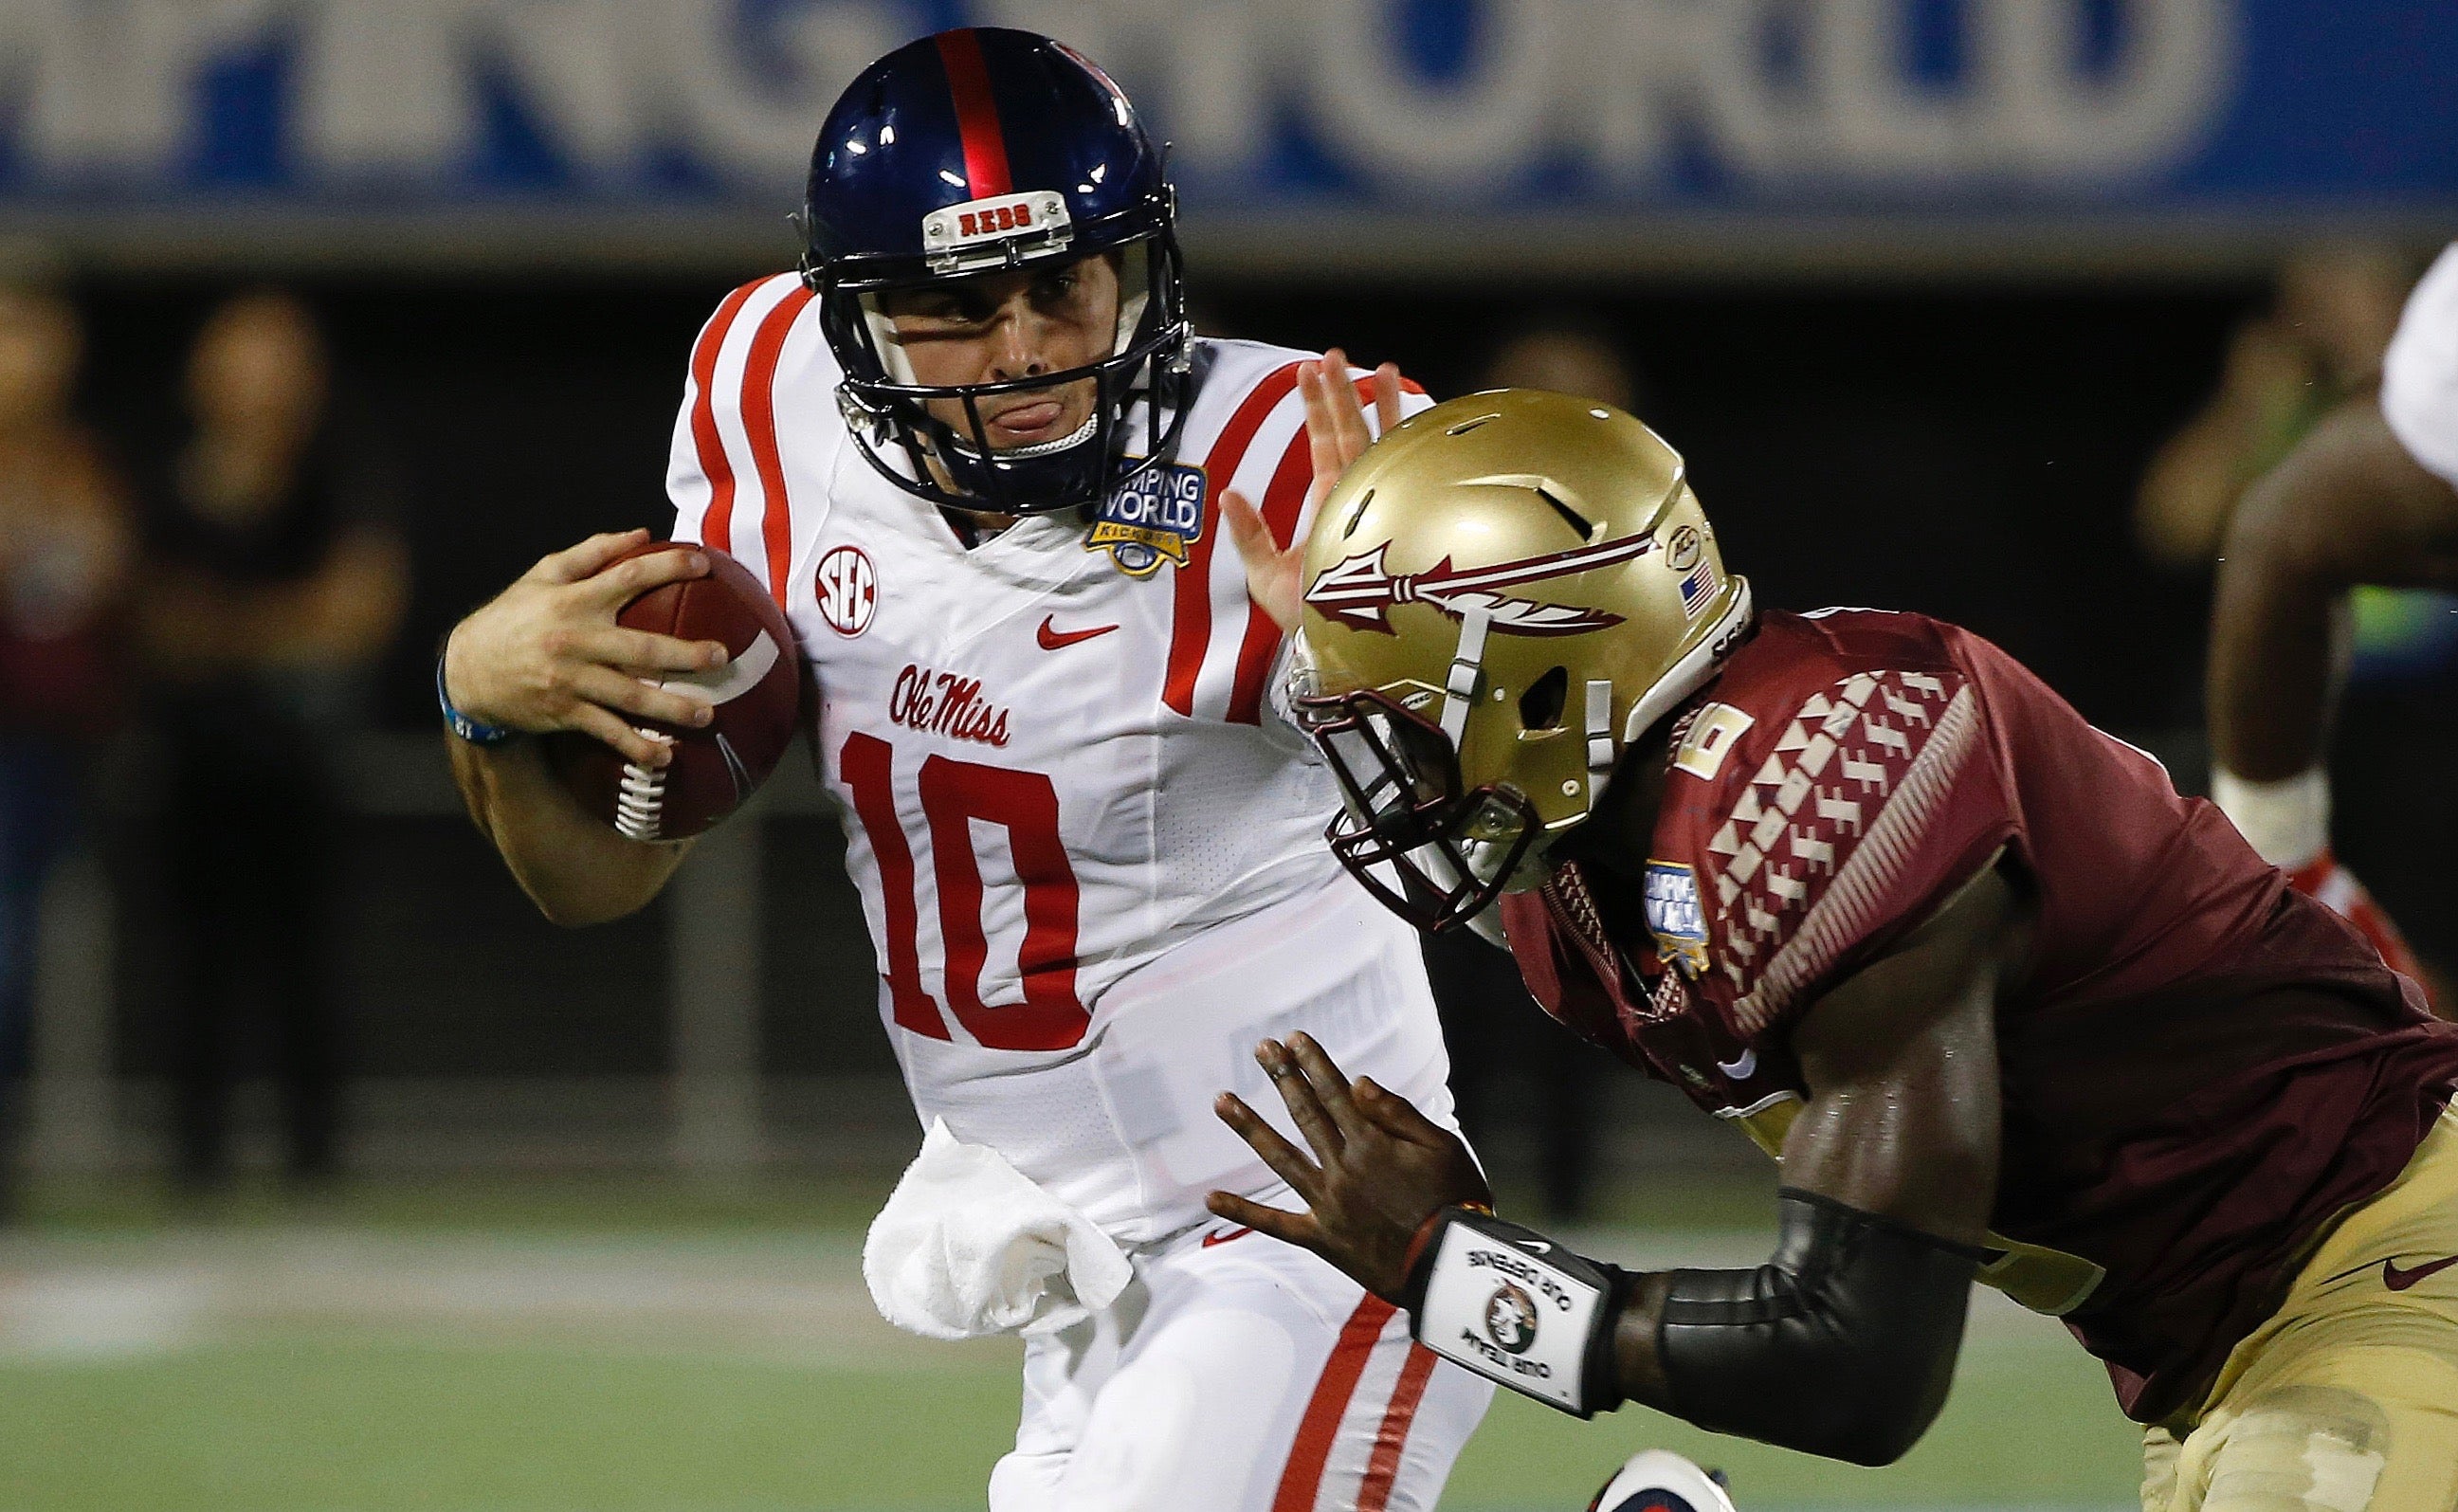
x,y
1842,1344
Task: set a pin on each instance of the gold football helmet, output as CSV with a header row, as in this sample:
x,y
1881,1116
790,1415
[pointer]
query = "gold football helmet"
x,y
1500,595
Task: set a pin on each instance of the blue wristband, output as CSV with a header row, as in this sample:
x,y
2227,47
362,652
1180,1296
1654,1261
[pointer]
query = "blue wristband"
x,y
461,724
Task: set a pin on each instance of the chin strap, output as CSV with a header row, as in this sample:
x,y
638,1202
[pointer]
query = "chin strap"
x,y
1600,740
1467,666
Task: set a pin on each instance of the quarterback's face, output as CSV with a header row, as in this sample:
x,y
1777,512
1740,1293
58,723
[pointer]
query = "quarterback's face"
x,y
1002,327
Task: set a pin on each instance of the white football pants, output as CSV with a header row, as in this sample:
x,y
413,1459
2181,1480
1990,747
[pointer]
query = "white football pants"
x,y
1236,1373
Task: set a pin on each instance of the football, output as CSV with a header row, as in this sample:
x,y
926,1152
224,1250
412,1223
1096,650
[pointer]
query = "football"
x,y
758,695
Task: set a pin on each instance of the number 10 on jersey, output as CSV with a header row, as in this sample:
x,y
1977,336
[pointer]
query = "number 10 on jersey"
x,y
954,794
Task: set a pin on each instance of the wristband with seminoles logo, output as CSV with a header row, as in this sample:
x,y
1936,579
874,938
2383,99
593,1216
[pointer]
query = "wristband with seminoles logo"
x,y
1520,1310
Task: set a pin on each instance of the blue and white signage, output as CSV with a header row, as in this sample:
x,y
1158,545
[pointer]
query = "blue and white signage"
x,y
1440,113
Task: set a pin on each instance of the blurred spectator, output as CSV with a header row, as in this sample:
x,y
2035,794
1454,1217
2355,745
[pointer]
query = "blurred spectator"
x,y
1497,1034
274,577
2320,341
1567,353
63,560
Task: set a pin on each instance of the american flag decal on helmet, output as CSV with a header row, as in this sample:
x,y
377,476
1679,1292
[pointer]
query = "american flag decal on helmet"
x,y
1698,589
1361,590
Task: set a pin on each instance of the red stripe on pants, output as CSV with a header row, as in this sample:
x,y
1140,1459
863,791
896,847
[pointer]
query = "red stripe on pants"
x,y
1391,1439
1316,1431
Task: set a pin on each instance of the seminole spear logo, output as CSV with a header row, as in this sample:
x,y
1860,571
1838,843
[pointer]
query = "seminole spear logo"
x,y
1361,590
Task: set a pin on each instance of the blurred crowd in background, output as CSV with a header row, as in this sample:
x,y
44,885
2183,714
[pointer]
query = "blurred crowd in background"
x,y
203,583
234,521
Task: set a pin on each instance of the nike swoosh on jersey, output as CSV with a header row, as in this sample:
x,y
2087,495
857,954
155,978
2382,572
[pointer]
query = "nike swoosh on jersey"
x,y
2398,1280
1052,638
1741,1067
1220,1235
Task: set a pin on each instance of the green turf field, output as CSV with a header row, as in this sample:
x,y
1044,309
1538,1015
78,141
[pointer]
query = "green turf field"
x,y
598,1353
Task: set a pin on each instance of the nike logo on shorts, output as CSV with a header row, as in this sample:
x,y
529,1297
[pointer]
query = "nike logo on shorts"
x,y
1220,1235
1742,1067
2398,1280
1052,638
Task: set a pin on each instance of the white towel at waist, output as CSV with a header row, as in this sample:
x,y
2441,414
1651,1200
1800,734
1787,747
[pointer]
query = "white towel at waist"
x,y
966,1247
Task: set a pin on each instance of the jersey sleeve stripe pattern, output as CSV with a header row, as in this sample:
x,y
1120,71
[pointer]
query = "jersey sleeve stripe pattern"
x,y
1284,509
1281,501
1320,1428
716,468
759,423
719,436
1191,628
977,120
1848,908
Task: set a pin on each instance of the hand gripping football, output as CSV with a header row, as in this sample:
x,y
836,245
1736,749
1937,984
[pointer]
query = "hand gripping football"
x,y
758,695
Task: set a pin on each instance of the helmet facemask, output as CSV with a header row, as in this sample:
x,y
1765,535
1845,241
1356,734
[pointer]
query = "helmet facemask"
x,y
1539,564
1428,849
956,466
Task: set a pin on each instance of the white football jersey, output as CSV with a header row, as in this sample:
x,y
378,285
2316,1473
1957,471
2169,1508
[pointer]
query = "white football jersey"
x,y
2419,393
1090,851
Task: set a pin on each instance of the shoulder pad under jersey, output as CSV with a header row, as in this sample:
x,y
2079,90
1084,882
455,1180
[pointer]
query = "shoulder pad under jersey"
x,y
1814,811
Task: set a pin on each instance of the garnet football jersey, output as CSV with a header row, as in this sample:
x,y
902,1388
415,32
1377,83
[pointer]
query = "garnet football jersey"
x,y
1090,851
2201,1068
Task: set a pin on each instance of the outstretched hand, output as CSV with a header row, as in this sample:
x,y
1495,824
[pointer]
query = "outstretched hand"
x,y
1384,1166
1336,431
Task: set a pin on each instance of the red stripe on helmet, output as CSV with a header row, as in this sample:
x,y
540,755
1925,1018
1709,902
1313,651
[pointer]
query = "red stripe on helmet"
x,y
969,79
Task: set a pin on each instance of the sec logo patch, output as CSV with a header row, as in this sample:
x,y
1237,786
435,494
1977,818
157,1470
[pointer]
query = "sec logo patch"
x,y
846,587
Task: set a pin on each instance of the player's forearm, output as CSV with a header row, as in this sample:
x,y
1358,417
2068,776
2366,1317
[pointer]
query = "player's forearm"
x,y
1841,1344
2347,506
575,869
2279,641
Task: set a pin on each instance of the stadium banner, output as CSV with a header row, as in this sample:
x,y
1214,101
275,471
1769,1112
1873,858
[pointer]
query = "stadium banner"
x,y
1413,129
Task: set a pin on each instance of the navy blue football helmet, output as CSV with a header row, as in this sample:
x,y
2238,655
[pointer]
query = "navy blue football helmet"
x,y
976,151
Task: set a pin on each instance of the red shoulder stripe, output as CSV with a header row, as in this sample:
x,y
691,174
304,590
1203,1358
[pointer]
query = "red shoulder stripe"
x,y
716,525
1391,1439
1302,1477
1191,604
969,79
1281,502
759,421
